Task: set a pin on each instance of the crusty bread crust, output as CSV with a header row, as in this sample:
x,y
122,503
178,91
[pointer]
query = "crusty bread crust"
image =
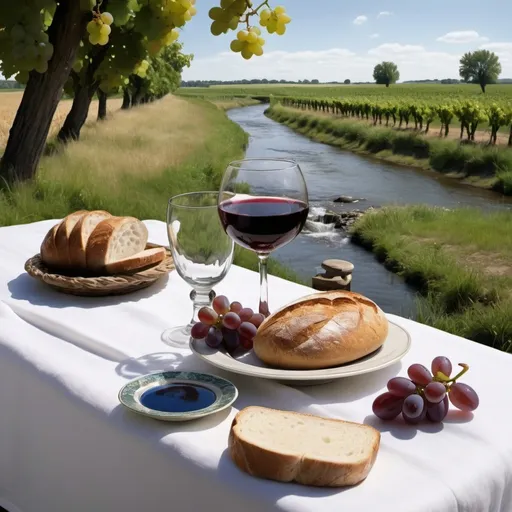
x,y
320,331
99,243
273,465
137,262
62,237
49,254
78,239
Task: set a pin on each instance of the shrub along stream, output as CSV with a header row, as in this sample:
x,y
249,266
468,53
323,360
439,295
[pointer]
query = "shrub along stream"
x,y
490,167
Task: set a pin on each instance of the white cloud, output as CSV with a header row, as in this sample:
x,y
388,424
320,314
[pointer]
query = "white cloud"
x,y
374,36
360,20
414,62
462,36
393,49
505,47
384,13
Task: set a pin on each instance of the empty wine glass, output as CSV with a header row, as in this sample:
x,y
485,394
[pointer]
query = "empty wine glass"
x,y
201,250
263,205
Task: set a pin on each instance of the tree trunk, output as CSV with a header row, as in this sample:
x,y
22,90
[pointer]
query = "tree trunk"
x,y
387,84
447,129
138,94
102,105
77,115
127,99
482,86
510,137
85,89
42,95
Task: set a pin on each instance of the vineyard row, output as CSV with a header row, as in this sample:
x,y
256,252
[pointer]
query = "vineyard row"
x,y
469,113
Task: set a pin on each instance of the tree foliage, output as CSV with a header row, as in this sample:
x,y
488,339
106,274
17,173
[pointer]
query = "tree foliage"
x,y
386,73
480,67
41,39
162,76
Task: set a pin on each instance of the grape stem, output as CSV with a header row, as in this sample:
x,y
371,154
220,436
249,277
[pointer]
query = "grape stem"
x,y
253,11
465,368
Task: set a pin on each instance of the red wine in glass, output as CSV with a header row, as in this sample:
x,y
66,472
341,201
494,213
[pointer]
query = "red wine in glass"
x,y
263,224
263,205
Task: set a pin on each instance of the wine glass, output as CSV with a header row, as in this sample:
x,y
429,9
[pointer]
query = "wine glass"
x,y
263,205
201,250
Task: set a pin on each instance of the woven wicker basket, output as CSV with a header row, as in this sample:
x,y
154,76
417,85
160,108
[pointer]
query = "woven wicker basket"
x,y
99,286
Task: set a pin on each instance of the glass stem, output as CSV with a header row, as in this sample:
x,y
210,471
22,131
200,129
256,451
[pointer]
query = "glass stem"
x,y
201,298
263,285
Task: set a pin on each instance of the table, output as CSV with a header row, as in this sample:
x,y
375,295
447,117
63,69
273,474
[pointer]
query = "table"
x,y
67,445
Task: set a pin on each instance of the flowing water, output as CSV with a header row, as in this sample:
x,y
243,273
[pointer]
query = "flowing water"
x,y
329,173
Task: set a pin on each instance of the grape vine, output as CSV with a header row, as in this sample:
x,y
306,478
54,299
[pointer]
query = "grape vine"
x,y
470,113
25,43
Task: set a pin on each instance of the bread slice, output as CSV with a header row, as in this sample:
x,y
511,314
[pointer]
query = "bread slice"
x,y
62,236
137,262
80,236
114,239
295,447
49,254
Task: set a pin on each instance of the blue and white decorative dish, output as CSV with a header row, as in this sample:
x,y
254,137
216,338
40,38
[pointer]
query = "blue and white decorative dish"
x,y
177,396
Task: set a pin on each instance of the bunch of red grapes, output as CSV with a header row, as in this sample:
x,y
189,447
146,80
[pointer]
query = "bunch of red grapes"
x,y
227,324
426,394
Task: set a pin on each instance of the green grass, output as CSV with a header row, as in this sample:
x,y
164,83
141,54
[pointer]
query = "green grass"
x,y
460,260
112,168
481,166
371,91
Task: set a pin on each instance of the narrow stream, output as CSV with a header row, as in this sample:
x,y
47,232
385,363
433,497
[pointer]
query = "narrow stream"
x,y
329,173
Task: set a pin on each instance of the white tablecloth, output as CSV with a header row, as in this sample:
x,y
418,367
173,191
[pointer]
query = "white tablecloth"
x,y
67,445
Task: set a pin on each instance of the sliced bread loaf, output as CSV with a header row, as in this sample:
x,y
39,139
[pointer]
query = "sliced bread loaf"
x,y
80,236
63,234
114,239
49,254
295,447
140,261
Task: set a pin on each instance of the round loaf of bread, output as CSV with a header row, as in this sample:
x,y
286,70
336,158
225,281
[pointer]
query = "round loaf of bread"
x,y
320,331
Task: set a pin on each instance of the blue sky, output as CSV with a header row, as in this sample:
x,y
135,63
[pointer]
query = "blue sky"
x,y
335,39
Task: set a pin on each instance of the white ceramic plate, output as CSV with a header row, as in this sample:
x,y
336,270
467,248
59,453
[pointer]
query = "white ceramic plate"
x,y
397,344
177,396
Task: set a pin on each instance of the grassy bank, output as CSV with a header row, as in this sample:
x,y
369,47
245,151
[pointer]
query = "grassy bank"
x,y
229,103
460,260
132,164
476,165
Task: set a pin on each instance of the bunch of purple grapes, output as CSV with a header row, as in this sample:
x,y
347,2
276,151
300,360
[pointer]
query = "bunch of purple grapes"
x,y
228,324
426,394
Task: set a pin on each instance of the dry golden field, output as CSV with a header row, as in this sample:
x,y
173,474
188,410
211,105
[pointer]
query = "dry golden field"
x,y
9,102
141,141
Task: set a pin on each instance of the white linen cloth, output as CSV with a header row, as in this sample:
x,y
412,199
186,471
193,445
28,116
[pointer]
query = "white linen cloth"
x,y
67,445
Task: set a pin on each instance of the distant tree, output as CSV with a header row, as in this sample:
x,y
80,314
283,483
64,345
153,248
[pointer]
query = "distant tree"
x,y
480,67
315,81
347,81
386,73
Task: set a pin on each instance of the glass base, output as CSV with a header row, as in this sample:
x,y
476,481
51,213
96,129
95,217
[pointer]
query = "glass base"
x,y
178,337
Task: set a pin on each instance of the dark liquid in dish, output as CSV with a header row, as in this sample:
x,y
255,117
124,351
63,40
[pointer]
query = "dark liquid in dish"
x,y
178,398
